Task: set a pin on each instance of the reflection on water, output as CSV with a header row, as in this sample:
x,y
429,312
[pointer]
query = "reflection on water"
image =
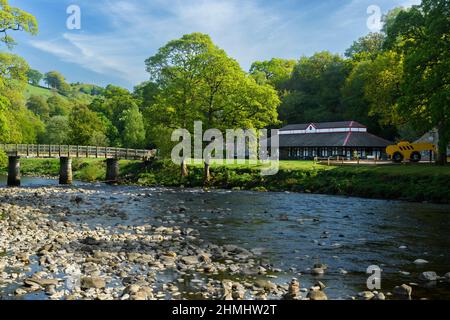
x,y
295,231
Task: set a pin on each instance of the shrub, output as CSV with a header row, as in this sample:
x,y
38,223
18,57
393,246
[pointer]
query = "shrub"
x,y
3,160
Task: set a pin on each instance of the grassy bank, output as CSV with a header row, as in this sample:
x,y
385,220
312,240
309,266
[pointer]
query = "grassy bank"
x,y
422,182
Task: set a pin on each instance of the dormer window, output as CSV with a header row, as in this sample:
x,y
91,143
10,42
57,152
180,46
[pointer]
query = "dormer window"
x,y
311,128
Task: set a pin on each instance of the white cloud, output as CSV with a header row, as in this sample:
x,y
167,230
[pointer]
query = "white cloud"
x,y
248,30
245,29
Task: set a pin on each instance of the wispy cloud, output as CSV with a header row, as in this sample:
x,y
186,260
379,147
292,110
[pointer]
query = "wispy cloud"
x,y
248,30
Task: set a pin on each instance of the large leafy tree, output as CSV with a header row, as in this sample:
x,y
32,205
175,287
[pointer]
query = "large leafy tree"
x,y
197,81
367,47
14,19
56,131
315,89
85,127
39,105
113,104
422,35
275,71
34,77
133,128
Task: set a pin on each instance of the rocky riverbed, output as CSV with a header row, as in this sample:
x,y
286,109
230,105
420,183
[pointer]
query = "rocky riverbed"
x,y
88,243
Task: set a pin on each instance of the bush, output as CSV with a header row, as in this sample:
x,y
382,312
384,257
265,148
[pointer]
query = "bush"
x,y
3,160
91,172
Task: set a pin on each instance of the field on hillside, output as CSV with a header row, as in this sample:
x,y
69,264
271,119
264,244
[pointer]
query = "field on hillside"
x,y
41,91
38,91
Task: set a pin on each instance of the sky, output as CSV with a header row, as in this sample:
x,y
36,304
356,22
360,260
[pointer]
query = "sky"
x,y
116,36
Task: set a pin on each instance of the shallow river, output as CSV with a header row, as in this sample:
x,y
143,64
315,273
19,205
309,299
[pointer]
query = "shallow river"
x,y
294,231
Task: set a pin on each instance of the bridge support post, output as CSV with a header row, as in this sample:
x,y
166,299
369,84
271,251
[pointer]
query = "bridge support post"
x,y
65,170
112,170
14,171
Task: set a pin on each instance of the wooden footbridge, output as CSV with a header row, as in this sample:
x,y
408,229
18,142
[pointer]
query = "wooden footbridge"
x,y
65,153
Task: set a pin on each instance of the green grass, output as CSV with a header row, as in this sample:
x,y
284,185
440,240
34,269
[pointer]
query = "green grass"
x,y
31,90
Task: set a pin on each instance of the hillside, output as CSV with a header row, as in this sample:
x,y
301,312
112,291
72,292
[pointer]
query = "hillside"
x,y
42,91
39,91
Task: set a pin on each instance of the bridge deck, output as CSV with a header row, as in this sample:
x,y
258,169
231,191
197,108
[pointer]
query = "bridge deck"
x,y
56,151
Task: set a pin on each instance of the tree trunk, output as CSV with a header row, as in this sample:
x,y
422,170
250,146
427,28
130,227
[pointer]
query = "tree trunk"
x,y
207,173
184,169
442,145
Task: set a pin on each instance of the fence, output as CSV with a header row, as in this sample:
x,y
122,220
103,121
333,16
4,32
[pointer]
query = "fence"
x,y
53,151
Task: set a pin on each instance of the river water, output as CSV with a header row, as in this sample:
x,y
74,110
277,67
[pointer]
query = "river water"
x,y
294,231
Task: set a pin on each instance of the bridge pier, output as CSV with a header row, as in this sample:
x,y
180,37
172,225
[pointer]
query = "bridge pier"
x,y
65,170
14,171
112,170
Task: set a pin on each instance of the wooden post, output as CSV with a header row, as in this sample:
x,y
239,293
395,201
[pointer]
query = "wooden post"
x,y
96,151
78,151
14,171
59,151
87,151
126,154
28,150
37,147
49,151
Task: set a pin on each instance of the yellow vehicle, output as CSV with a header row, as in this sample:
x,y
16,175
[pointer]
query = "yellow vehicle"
x,y
411,151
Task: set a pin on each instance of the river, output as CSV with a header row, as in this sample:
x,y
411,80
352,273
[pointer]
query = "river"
x,y
294,231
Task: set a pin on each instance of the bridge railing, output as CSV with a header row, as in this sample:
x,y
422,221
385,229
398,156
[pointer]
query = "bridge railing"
x,y
73,151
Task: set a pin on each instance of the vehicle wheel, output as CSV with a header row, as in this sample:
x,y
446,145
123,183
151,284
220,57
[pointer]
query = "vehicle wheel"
x,y
415,157
397,157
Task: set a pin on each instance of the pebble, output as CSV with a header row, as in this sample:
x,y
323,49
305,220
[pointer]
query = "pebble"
x,y
428,276
420,261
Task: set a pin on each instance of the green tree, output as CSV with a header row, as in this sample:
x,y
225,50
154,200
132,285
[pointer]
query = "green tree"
x,y
367,80
14,19
422,36
58,106
56,131
367,47
198,81
275,71
34,77
85,126
133,128
112,105
54,80
315,89
38,105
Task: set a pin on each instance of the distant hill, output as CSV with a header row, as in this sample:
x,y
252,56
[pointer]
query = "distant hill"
x,y
45,92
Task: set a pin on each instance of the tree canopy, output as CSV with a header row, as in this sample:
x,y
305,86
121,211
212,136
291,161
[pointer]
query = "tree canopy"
x,y
15,19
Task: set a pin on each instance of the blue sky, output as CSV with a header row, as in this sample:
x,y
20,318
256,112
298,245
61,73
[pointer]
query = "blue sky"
x,y
116,36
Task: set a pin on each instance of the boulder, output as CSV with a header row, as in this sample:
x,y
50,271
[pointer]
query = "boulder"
x,y
317,295
420,261
93,282
403,291
428,276
366,295
317,271
189,260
